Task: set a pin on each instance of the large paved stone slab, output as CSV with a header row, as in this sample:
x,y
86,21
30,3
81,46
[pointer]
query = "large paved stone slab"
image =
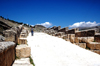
x,y
53,51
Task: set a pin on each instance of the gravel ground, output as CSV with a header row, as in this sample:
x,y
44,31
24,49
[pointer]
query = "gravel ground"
x,y
48,50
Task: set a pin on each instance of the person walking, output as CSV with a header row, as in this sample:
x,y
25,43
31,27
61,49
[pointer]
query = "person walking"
x,y
32,31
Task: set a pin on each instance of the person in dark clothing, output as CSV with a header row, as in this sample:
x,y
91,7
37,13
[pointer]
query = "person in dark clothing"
x,y
32,31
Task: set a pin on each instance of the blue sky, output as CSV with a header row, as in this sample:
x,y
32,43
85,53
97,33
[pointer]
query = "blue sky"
x,y
64,13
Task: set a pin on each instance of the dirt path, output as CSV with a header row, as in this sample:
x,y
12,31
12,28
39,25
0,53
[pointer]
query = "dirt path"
x,y
48,50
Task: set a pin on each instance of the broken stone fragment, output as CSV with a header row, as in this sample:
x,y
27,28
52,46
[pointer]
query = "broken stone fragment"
x,y
2,38
83,45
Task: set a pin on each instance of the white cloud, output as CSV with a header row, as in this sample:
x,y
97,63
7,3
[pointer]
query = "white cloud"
x,y
84,24
46,24
32,25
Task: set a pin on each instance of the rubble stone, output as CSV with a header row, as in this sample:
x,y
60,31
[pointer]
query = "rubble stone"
x,y
83,45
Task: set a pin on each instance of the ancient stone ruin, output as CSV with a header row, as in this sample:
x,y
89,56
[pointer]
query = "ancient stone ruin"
x,y
87,39
13,44
7,53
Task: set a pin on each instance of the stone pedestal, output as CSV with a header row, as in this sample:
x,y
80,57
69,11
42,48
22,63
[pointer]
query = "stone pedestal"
x,y
23,51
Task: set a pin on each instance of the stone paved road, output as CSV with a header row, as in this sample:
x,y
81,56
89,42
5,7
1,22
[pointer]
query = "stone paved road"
x,y
48,50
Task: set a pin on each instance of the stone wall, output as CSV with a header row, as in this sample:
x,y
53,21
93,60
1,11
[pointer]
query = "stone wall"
x,y
71,31
87,39
7,53
23,50
85,33
97,37
12,34
63,29
57,28
8,48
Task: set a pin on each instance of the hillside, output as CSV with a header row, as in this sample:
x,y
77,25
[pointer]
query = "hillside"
x,y
12,23
97,28
7,24
39,28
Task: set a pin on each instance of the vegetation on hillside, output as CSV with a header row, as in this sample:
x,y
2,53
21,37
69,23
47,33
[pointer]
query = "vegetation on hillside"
x,y
15,21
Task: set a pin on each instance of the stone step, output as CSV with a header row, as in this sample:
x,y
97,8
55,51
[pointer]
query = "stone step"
x,y
23,51
22,65
22,62
22,41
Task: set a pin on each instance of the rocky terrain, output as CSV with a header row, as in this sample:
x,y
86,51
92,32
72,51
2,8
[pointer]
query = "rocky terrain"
x,y
7,24
97,28
39,28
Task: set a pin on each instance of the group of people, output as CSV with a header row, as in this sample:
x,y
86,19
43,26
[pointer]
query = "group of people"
x,y
32,31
